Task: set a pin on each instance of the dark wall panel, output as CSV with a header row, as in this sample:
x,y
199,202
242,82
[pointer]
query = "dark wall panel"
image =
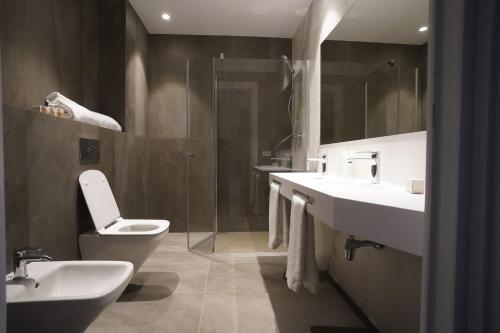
x,y
64,46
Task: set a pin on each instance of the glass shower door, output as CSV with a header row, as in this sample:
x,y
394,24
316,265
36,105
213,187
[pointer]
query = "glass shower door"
x,y
200,154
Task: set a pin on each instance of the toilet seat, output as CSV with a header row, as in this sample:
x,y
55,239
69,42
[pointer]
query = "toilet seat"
x,y
105,213
132,227
114,237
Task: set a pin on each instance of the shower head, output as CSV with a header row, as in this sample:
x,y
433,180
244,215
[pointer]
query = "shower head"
x,y
287,72
287,62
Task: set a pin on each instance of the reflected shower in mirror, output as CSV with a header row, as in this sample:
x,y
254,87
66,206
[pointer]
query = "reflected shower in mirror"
x,y
373,71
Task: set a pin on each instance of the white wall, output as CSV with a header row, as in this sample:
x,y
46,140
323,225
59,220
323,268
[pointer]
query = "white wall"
x,y
402,157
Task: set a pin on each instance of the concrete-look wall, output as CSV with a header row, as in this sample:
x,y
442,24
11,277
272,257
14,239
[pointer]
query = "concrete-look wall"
x,y
167,120
43,204
56,46
49,46
385,284
136,74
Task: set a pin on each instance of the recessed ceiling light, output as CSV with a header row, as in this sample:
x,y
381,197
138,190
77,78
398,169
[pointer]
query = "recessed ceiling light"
x,y
301,11
165,16
424,28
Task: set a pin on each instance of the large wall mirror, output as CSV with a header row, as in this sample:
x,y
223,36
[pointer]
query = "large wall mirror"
x,y
373,71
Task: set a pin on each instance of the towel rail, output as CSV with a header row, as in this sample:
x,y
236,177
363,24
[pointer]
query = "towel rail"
x,y
310,200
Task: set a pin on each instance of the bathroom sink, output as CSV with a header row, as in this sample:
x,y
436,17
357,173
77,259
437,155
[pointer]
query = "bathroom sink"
x,y
64,296
383,213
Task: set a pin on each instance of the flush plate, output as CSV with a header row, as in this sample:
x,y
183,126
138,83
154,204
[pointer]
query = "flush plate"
x,y
90,151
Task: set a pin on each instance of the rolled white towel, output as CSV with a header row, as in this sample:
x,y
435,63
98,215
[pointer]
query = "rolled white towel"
x,y
80,113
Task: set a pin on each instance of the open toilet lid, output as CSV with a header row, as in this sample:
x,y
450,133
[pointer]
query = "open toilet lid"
x,y
99,198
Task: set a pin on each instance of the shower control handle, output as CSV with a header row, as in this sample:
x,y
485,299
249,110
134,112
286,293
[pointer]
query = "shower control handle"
x,y
190,155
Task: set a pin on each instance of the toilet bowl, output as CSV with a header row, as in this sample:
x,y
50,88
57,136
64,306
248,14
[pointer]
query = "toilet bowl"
x,y
115,238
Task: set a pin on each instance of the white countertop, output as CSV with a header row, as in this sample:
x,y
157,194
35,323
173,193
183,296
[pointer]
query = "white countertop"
x,y
383,213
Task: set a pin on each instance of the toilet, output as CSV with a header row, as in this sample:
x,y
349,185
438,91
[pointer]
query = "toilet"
x,y
115,238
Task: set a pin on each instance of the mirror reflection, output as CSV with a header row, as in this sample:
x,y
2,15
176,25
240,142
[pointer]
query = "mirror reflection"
x,y
373,71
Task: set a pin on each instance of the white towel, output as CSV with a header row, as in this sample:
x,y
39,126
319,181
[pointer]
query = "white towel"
x,y
278,217
275,218
301,262
80,113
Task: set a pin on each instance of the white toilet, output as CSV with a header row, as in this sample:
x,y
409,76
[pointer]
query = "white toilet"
x,y
115,238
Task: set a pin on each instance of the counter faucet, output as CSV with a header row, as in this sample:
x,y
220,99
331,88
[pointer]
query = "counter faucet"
x,y
374,156
23,256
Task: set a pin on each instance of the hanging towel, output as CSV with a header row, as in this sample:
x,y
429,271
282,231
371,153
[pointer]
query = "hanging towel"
x,y
301,262
80,113
278,217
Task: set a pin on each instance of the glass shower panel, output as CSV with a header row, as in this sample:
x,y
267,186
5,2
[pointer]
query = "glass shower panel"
x,y
200,153
382,102
252,114
393,102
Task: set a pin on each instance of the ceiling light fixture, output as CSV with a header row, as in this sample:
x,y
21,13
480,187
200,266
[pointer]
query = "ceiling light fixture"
x,y
302,11
165,17
424,28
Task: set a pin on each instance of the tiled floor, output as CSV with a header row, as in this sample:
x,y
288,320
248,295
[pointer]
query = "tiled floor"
x,y
182,292
247,241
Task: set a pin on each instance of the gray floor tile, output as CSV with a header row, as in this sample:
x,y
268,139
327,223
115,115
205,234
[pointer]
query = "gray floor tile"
x,y
183,292
176,313
182,278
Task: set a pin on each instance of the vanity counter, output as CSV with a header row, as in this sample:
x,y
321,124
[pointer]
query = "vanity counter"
x,y
383,213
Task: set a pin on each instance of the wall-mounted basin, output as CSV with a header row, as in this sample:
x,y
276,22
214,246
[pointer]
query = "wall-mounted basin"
x,y
64,296
383,213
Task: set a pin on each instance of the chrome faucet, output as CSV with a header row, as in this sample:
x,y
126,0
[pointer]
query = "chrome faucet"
x,y
23,256
322,161
374,156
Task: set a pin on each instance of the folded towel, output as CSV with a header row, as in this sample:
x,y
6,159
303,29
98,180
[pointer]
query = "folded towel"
x,y
301,262
278,217
79,113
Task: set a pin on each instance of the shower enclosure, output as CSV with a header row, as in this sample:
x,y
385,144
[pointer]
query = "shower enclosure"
x,y
241,123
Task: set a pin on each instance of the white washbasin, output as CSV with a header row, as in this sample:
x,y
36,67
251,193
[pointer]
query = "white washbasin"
x,y
64,296
384,213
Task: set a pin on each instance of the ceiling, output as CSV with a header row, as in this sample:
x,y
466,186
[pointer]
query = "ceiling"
x,y
384,21
258,18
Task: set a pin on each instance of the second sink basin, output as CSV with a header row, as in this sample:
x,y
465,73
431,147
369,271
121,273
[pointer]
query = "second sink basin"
x,y
64,296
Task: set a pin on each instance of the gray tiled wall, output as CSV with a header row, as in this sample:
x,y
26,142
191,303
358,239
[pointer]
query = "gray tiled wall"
x,y
57,46
43,204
